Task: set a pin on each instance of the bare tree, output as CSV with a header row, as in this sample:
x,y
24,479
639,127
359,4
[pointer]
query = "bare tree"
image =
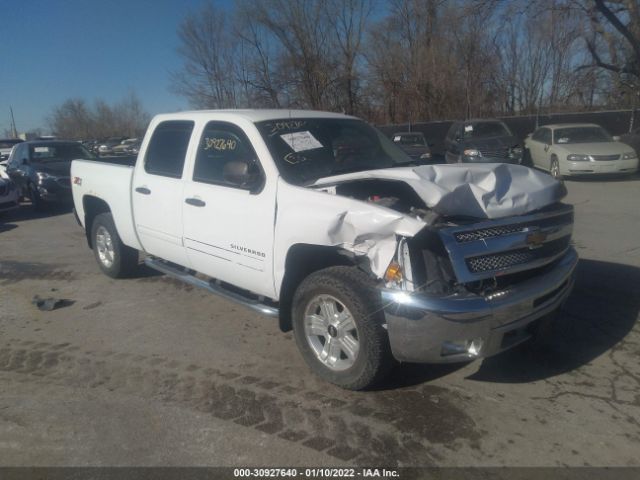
x,y
75,119
421,60
303,30
209,51
258,69
72,119
351,21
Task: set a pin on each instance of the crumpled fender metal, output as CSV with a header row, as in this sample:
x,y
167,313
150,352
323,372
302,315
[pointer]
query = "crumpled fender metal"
x,y
307,216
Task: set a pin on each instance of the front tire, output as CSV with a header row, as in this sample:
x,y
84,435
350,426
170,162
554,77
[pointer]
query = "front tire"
x,y
338,326
114,258
554,170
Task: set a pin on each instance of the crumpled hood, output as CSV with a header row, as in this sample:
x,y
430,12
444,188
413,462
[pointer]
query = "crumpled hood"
x,y
483,191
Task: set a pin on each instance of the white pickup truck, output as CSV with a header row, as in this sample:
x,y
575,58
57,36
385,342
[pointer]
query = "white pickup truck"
x,y
318,219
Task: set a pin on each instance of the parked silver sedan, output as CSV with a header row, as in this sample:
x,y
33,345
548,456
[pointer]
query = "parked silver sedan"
x,y
572,149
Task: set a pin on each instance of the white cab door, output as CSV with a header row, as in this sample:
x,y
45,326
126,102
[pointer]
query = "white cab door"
x,y
158,191
229,211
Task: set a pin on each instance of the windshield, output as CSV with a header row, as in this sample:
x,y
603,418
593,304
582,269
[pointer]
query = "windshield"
x,y
414,139
581,135
306,149
486,129
58,151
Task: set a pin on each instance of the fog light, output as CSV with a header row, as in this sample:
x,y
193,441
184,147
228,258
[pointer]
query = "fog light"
x,y
470,347
475,346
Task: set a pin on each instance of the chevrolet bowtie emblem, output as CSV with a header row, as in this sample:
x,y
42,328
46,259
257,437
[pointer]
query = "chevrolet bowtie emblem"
x,y
536,239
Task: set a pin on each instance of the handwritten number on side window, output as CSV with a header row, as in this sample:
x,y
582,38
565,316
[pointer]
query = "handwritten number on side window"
x,y
220,144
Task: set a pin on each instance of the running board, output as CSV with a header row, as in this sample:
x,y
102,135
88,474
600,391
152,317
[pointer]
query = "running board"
x,y
186,277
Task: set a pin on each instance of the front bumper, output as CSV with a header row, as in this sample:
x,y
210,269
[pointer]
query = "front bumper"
x,y
55,190
600,168
512,161
425,329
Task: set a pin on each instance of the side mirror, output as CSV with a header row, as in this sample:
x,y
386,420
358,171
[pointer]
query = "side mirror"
x,y
616,138
239,173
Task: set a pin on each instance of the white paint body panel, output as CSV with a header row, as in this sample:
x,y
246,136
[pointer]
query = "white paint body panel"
x,y
112,184
243,238
231,237
307,216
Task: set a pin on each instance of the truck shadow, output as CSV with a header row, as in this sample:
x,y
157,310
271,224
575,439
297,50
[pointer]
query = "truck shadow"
x,y
597,317
605,178
27,212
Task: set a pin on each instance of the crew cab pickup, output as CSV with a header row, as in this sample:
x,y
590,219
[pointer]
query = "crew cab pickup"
x,y
320,220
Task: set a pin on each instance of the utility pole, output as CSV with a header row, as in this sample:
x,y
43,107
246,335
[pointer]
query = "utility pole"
x,y
14,131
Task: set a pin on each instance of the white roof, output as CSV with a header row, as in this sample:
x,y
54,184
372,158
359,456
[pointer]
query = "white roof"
x,y
256,115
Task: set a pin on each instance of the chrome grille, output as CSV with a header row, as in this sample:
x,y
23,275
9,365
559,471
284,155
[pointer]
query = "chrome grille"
x,y
487,233
483,233
505,246
501,261
599,158
495,153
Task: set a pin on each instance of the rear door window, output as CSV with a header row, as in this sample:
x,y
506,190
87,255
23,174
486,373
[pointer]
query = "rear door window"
x,y
167,149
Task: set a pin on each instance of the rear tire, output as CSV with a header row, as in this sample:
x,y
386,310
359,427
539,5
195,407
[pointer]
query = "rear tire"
x,y
340,305
114,258
37,203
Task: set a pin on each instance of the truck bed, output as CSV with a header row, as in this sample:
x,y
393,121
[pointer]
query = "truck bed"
x,y
110,182
125,160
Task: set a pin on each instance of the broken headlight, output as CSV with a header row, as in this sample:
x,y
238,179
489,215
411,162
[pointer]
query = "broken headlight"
x,y
399,274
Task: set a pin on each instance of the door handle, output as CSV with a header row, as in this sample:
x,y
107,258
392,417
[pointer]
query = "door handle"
x,y
143,190
196,202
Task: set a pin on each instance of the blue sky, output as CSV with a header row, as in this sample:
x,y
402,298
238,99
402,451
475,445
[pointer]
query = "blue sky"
x,y
52,50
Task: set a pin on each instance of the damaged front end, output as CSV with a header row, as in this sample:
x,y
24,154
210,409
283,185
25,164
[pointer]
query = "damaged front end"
x,y
466,286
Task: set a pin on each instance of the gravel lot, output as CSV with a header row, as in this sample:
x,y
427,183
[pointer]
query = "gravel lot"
x,y
148,371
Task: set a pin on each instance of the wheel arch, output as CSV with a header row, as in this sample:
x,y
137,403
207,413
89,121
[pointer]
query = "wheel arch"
x,y
92,206
304,259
